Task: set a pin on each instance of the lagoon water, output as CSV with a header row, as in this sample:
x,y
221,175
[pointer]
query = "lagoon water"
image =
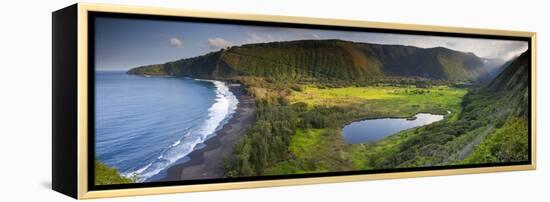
x,y
145,124
372,130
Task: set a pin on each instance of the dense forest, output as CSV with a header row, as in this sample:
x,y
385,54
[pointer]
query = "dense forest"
x,y
326,60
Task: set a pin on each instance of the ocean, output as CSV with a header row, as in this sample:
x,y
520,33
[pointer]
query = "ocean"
x,y
143,125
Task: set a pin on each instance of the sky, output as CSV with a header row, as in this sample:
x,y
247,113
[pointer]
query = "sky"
x,y
122,44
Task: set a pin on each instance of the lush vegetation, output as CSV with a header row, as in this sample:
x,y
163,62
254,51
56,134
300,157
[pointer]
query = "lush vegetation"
x,y
105,175
507,144
306,91
326,60
301,132
298,130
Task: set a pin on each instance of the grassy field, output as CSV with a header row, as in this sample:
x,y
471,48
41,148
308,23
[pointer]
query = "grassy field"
x,y
323,149
387,100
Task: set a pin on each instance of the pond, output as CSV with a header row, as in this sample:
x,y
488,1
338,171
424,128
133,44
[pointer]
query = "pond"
x,y
372,130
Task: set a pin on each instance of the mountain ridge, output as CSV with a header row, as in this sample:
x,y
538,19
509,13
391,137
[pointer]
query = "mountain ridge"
x,y
513,81
325,59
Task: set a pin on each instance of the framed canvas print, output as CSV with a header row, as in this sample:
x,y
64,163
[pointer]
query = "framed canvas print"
x,y
150,100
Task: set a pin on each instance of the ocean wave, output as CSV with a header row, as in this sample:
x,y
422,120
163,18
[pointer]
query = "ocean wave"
x,y
219,113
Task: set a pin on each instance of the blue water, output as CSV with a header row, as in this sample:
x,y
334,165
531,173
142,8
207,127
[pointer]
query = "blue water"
x,y
372,130
145,124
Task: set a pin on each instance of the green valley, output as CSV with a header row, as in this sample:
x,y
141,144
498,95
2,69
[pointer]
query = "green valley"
x,y
307,91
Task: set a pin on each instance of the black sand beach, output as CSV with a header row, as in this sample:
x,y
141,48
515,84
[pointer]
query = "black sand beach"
x,y
206,163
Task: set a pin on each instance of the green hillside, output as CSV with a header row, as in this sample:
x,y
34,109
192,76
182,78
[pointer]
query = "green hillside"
x,y
299,113
106,175
510,90
325,60
300,131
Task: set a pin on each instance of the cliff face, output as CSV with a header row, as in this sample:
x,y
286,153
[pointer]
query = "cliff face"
x,y
515,76
330,59
513,84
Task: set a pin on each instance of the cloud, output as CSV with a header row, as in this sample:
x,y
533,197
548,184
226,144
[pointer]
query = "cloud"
x,y
254,37
487,48
510,49
219,43
308,36
174,41
450,44
271,34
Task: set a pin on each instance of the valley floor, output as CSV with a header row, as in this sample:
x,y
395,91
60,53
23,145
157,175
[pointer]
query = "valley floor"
x,y
323,149
300,131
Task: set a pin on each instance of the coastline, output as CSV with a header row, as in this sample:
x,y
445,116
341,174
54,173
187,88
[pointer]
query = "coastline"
x,y
205,163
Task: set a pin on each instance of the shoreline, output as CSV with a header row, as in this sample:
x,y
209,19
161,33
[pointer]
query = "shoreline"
x,y
206,163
